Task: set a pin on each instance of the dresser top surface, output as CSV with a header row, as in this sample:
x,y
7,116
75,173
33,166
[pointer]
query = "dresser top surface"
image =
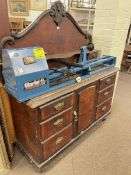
x,y
40,100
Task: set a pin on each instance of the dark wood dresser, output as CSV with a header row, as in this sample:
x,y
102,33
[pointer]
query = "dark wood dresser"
x,y
48,124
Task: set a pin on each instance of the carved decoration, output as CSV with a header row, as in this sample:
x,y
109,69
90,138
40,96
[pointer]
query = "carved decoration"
x,y
8,39
58,12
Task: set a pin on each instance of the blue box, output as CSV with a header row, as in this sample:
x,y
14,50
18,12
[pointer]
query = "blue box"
x,y
25,72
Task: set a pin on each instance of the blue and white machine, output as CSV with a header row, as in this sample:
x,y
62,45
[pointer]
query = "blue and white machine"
x,y
27,75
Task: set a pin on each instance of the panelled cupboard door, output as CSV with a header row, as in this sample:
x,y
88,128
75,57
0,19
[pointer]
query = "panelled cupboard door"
x,y
86,107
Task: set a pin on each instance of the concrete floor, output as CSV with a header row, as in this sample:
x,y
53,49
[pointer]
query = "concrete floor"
x,y
104,150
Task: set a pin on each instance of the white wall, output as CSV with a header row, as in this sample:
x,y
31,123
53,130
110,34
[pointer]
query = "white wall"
x,y
112,19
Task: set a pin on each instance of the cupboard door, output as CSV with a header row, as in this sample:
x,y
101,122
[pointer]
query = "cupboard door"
x,y
86,107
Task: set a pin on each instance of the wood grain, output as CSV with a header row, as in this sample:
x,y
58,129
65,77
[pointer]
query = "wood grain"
x,y
105,94
26,128
103,108
55,143
7,118
45,34
56,123
107,81
4,20
56,106
86,107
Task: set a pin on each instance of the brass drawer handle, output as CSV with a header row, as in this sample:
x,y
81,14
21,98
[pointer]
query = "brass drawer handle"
x,y
59,140
106,93
58,122
108,81
104,108
59,106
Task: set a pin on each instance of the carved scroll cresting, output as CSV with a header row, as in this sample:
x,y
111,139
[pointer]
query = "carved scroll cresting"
x,y
58,12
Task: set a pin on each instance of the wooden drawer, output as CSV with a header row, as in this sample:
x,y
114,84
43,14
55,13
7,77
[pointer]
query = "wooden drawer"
x,y
55,124
105,82
55,143
103,108
56,106
105,94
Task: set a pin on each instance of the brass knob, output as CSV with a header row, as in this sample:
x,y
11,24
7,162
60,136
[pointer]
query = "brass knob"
x,y
59,140
108,81
104,108
106,93
59,106
58,122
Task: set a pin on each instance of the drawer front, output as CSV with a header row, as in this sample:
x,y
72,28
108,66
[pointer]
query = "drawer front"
x,y
105,82
58,122
105,94
55,143
103,108
56,106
